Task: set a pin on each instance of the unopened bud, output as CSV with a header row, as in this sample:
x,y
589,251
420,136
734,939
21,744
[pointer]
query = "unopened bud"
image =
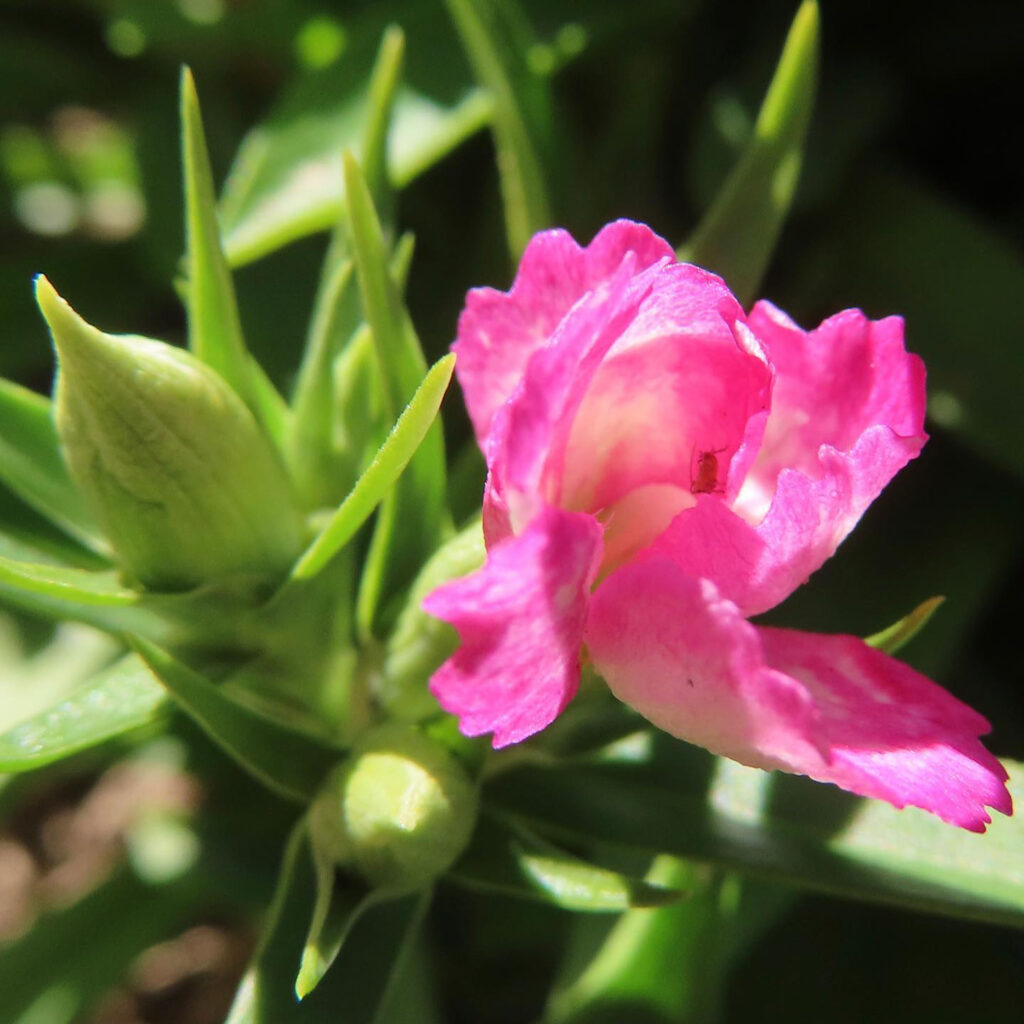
x,y
183,480
399,811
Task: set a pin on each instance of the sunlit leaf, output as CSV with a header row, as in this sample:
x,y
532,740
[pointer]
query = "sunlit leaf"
x,y
667,797
118,699
738,234
511,860
287,760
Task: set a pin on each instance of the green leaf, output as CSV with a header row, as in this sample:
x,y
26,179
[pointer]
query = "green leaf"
x,y
659,966
521,112
118,699
311,446
215,330
418,500
738,234
31,463
660,795
390,461
893,637
363,974
56,592
287,178
289,761
380,105
510,859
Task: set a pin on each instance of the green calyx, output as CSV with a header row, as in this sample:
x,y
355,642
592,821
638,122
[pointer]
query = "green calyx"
x,y
398,812
183,480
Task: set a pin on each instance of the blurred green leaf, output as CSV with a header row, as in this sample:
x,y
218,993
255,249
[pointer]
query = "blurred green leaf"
x,y
388,464
380,105
287,178
493,36
738,234
289,761
510,859
659,795
31,463
893,637
118,699
418,499
73,956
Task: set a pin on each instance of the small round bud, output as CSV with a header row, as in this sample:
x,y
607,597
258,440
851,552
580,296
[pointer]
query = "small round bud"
x,y
399,811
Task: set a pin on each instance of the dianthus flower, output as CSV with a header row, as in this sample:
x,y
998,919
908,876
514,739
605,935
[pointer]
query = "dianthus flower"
x,y
662,467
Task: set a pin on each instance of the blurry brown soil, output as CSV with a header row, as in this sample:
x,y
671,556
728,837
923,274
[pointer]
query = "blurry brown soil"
x,y
67,840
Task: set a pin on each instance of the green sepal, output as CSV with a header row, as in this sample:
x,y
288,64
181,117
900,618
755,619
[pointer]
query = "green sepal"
x,y
661,796
521,112
387,467
893,637
738,234
340,902
186,484
116,701
31,463
364,971
511,860
287,760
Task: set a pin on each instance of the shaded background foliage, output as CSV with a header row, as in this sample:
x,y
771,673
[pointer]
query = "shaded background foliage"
x,y
909,202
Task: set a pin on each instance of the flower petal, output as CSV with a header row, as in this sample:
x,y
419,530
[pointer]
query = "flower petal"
x,y
892,733
825,706
520,619
759,566
499,331
831,385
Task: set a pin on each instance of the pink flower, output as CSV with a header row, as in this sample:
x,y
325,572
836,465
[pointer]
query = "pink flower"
x,y
663,466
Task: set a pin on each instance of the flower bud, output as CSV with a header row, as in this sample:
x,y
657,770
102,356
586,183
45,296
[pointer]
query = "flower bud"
x,y
178,472
399,811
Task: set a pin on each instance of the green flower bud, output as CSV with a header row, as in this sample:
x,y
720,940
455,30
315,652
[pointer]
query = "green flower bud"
x,y
399,811
178,472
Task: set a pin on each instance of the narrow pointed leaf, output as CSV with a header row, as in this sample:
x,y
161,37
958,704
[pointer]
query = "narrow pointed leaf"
x,y
117,700
391,459
31,463
312,453
215,330
380,105
893,637
670,798
520,114
737,235
419,498
511,860
290,762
